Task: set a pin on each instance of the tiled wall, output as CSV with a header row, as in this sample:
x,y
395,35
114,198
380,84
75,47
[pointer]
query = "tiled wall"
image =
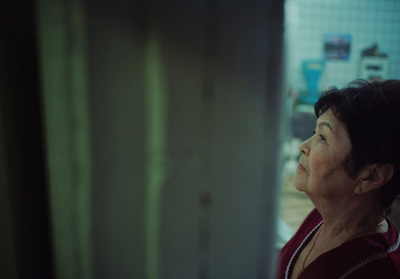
x,y
367,21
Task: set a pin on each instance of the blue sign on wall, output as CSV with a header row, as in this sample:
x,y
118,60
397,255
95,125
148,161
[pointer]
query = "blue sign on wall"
x,y
337,46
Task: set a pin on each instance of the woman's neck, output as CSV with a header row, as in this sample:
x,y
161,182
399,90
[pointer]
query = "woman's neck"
x,y
344,220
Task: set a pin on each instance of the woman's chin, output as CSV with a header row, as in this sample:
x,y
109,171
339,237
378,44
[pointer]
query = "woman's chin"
x,y
298,188
298,184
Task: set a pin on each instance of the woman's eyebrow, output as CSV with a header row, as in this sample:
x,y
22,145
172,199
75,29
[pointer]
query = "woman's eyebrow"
x,y
324,123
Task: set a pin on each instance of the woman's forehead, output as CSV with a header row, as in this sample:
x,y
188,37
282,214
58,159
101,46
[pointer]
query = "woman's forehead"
x,y
329,120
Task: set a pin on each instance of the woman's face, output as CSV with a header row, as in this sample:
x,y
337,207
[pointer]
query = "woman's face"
x,y
321,172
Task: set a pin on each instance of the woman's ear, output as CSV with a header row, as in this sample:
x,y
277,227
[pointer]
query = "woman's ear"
x,y
373,177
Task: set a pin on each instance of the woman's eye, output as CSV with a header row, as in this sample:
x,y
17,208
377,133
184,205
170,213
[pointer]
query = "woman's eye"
x,y
321,137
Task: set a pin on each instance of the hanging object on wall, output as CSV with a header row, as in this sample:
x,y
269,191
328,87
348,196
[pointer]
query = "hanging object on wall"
x,y
337,46
312,71
373,64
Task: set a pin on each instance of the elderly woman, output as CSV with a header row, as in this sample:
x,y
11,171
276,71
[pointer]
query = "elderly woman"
x,y
350,170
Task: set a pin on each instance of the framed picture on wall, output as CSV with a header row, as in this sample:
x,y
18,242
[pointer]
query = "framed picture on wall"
x,y
337,46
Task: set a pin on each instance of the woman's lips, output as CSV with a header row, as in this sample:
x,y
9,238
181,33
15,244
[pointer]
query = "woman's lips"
x,y
300,167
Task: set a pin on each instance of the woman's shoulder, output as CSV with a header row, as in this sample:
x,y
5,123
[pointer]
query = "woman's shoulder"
x,y
393,239
374,255
380,268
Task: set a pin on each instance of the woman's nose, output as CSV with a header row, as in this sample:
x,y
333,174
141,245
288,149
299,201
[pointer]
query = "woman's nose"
x,y
305,147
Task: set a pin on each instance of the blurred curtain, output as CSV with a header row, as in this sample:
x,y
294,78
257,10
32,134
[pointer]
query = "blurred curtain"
x,y
140,139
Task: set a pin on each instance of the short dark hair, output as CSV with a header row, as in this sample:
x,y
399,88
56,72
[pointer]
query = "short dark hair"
x,y
370,111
